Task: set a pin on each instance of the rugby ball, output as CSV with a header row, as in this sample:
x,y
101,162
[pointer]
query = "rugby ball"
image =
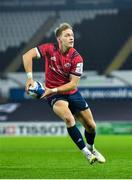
x,y
37,90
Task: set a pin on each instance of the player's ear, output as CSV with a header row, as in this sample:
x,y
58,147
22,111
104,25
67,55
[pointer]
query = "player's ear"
x,y
58,39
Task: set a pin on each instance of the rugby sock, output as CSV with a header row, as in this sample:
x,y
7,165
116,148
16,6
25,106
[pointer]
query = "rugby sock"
x,y
85,151
90,138
76,136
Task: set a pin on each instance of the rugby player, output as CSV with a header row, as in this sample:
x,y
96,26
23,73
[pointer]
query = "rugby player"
x,y
63,69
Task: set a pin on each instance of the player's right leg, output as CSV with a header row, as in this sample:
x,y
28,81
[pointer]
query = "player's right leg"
x,y
62,110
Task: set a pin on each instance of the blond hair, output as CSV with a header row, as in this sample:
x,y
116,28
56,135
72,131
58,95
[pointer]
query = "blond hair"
x,y
62,27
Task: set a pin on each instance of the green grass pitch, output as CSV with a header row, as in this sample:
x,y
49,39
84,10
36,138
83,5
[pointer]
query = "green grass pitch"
x,y
59,158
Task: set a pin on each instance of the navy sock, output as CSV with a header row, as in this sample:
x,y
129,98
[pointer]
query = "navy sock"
x,y
76,136
90,137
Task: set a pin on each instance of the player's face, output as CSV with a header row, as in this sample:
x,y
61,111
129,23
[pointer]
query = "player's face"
x,y
67,38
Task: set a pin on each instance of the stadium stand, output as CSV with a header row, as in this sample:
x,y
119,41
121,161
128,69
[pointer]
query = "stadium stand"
x,y
108,29
18,27
100,34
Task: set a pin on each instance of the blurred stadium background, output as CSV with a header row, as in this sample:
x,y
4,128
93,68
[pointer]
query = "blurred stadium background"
x,y
103,32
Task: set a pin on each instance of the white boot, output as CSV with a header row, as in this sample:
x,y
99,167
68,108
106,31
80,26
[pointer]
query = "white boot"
x,y
97,154
89,156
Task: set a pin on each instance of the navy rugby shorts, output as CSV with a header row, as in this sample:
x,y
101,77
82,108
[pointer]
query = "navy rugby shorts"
x,y
76,101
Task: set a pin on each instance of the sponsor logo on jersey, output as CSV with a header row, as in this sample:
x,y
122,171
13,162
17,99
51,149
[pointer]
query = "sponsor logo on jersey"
x,y
53,58
51,67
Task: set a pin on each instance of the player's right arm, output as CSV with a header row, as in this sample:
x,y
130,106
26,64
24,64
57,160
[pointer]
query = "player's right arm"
x,y
27,62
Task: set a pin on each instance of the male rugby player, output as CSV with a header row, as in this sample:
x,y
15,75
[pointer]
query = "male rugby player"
x,y
63,69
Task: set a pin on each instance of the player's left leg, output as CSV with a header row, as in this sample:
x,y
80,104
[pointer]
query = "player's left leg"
x,y
79,106
86,118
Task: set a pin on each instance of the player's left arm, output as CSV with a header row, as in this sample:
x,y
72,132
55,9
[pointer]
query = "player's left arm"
x,y
74,80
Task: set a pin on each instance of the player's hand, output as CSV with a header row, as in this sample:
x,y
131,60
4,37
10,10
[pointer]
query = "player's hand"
x,y
48,92
30,82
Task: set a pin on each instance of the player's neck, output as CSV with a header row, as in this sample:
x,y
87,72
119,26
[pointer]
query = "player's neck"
x,y
64,49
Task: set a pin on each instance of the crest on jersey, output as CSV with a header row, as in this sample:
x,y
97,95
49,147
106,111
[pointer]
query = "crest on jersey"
x,y
67,65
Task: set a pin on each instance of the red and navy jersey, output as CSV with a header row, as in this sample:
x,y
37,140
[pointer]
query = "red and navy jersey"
x,y
58,66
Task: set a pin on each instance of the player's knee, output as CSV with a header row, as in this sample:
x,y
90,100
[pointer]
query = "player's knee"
x,y
91,127
94,126
69,120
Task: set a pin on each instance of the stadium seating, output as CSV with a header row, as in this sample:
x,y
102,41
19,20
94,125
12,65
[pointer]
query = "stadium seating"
x,y
19,27
99,33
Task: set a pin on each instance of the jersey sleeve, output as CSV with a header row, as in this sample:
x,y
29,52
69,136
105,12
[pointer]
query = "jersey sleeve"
x,y
77,66
42,50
